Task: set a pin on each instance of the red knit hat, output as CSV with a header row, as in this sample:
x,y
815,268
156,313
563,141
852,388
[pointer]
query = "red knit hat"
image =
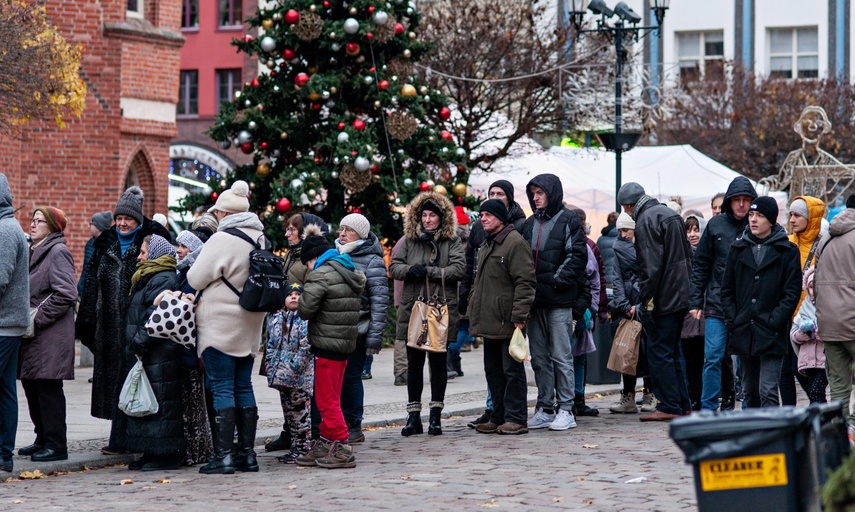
x,y
462,218
56,219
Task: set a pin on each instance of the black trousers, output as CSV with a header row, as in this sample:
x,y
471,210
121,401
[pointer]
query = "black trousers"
x,y
693,353
790,374
46,402
415,374
507,383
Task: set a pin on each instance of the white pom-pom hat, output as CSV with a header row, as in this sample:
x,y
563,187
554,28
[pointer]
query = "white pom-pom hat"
x,y
233,200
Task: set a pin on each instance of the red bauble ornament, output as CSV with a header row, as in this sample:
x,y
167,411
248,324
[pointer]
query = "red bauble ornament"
x,y
283,205
370,9
254,82
356,210
263,145
246,148
424,186
460,168
292,16
445,135
214,196
444,113
459,200
375,169
288,54
383,85
247,38
359,125
353,153
326,4
301,79
399,29
317,160
369,36
446,176
316,106
372,69
341,125
352,49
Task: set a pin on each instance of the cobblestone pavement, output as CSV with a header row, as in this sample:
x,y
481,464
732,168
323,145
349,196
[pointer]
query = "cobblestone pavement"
x,y
608,463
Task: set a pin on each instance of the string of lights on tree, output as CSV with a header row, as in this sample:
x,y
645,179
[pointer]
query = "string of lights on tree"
x,y
340,122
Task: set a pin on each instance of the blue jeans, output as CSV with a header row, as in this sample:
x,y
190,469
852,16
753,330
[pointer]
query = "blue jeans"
x,y
550,338
715,345
369,360
352,392
580,363
230,379
462,337
9,346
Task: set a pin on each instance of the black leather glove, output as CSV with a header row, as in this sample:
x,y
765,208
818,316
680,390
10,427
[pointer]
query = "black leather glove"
x,y
461,307
416,272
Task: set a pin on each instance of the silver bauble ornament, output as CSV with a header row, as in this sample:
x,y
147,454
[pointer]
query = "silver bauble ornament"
x,y
369,79
275,88
361,164
237,95
335,47
244,137
277,16
460,152
431,183
268,44
351,26
343,137
408,182
296,183
319,208
312,193
247,103
380,18
334,174
325,95
225,144
252,125
353,11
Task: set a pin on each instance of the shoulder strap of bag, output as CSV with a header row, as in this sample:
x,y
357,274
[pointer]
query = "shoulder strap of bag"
x,y
46,299
243,236
811,253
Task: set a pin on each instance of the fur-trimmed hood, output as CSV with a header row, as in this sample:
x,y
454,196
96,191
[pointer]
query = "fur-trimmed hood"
x,y
412,217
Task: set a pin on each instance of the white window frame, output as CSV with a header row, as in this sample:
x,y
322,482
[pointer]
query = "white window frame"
x,y
702,58
139,13
794,54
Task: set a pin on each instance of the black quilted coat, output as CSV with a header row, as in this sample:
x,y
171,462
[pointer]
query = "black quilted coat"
x,y
161,433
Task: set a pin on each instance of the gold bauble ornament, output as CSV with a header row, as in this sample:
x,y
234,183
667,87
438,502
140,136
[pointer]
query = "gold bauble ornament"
x,y
408,91
439,189
459,189
263,169
314,96
267,24
283,135
312,70
333,90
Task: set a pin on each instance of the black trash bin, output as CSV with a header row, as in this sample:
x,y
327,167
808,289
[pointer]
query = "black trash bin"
x,y
762,459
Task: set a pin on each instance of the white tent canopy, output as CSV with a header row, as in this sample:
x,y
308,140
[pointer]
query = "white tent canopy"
x,y
588,176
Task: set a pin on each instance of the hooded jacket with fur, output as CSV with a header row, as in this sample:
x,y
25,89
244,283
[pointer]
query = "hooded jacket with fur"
x,y
443,251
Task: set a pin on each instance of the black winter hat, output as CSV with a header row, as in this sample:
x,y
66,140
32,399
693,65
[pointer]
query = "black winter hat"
x,y
431,206
767,207
506,186
630,193
314,243
496,208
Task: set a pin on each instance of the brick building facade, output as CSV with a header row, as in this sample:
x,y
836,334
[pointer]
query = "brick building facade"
x,y
130,63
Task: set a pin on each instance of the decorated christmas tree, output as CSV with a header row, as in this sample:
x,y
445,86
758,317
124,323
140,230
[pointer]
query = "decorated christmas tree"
x,y
340,122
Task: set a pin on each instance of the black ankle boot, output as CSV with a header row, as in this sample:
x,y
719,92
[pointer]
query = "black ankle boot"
x,y
435,424
414,420
247,421
283,442
221,462
582,409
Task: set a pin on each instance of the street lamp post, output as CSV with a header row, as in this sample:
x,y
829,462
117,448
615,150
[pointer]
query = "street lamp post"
x,y
618,141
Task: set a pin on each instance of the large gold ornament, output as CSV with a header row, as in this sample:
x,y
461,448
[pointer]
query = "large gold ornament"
x,y
263,169
408,91
459,189
354,180
401,125
310,26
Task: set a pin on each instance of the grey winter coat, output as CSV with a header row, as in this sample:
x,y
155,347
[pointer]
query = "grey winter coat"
x,y
50,355
14,281
833,284
445,251
368,257
100,323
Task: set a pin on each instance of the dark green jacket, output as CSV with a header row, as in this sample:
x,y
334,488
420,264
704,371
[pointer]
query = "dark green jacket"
x,y
332,296
504,286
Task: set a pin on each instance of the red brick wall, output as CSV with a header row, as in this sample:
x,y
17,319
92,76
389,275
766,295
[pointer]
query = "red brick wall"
x,y
82,168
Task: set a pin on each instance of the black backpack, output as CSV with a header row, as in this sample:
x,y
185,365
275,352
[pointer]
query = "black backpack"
x,y
265,289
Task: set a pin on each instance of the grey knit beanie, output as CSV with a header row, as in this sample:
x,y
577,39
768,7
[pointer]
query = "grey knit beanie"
x,y
130,204
630,193
102,220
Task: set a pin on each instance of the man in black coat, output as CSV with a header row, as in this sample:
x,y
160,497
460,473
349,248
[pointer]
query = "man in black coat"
x,y
707,273
759,294
665,264
560,254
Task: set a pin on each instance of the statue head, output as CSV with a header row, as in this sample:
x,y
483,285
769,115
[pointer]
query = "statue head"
x,y
812,125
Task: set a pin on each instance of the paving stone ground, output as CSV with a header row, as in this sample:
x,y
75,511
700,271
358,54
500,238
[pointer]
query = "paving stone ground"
x,y
587,468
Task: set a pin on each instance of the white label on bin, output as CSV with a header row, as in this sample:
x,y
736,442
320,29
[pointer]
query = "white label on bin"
x,y
744,472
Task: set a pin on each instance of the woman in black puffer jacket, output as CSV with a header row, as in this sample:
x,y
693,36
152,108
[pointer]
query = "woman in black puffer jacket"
x,y
159,436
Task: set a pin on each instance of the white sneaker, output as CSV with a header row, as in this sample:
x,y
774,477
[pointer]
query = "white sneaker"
x,y
564,420
540,419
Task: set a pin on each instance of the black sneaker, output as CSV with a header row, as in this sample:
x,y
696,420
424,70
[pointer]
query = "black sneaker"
x,y
484,418
401,380
727,403
366,376
584,410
